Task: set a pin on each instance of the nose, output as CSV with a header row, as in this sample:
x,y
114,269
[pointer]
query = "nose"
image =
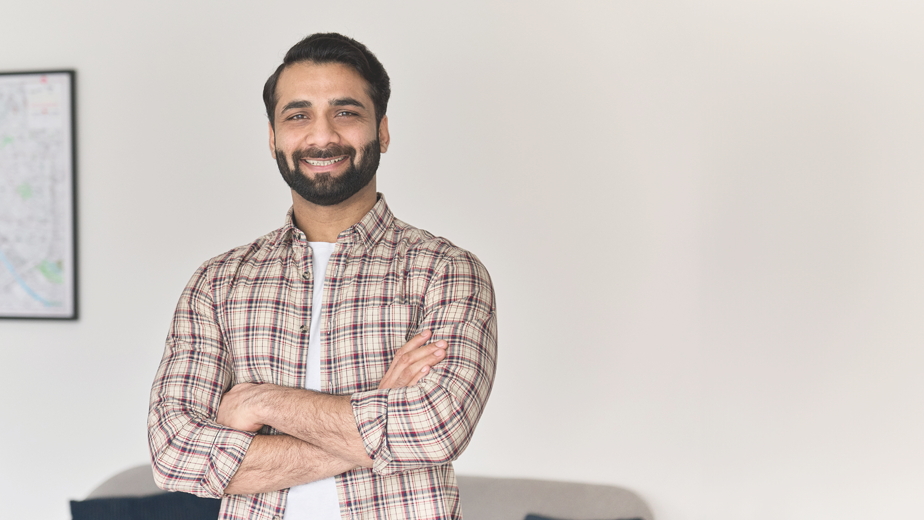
x,y
322,134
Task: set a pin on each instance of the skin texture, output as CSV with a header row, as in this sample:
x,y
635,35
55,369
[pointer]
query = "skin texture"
x,y
276,462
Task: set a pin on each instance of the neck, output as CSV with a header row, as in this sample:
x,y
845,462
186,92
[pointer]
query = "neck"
x,y
325,223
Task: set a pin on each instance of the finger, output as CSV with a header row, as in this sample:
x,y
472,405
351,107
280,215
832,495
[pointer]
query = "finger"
x,y
422,367
405,371
414,343
399,374
424,352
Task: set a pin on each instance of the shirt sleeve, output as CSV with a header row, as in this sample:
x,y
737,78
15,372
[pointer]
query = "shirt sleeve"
x,y
190,451
432,422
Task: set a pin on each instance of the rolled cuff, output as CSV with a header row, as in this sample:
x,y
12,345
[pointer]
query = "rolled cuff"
x,y
411,428
370,409
200,459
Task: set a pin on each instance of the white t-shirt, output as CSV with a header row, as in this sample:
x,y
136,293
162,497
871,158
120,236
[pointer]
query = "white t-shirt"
x,y
317,500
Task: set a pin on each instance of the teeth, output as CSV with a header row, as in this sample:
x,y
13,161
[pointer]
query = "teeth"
x,y
323,163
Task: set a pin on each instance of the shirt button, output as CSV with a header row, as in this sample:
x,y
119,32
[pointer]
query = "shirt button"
x,y
303,328
305,275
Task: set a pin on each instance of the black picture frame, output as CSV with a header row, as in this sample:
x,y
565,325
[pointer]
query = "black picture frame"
x,y
38,195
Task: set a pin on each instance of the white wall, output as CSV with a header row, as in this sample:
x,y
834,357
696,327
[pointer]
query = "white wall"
x,y
704,221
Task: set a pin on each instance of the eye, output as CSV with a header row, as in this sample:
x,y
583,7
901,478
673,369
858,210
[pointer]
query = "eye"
x,y
298,116
345,113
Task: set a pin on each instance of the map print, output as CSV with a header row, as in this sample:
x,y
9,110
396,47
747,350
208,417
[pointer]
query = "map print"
x,y
36,196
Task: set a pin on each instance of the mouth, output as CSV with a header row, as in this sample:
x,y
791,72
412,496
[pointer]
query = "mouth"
x,y
325,162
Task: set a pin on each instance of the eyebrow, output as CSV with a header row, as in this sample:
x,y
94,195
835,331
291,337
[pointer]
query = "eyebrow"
x,y
296,104
346,102
336,102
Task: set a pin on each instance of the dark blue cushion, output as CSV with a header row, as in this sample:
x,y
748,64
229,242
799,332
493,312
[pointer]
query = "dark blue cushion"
x,y
540,517
165,506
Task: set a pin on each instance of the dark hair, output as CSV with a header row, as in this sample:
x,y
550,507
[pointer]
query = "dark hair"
x,y
334,48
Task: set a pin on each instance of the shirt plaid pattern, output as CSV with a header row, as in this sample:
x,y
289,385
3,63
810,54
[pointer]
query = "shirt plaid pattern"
x,y
244,317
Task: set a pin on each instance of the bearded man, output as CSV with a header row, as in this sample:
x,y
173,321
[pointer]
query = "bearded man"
x,y
335,367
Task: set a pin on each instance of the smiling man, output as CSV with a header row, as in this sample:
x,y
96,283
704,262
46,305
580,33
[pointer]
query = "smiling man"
x,y
335,367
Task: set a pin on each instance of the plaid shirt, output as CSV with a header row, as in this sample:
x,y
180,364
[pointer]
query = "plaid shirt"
x,y
244,317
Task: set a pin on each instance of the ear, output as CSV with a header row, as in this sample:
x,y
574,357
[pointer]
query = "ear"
x,y
384,138
272,141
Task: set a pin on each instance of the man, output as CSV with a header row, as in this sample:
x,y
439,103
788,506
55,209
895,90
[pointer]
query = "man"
x,y
335,367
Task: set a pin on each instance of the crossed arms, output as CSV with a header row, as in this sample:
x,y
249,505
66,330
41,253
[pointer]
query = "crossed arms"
x,y
201,426
322,439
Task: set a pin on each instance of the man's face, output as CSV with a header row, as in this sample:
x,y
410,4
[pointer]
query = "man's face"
x,y
325,139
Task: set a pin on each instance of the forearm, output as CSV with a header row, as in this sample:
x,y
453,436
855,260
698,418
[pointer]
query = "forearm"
x,y
321,420
275,462
190,451
324,420
191,454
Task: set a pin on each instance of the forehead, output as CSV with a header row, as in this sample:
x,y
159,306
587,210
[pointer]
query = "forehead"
x,y
320,83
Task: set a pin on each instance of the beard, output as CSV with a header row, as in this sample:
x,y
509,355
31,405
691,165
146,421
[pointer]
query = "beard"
x,y
324,189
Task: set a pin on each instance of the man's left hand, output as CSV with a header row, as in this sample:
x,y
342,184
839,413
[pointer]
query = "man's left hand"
x,y
413,361
239,405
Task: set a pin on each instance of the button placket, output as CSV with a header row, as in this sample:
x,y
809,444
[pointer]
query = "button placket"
x,y
306,277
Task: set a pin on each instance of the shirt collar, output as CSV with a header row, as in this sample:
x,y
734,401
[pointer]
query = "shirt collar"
x,y
369,230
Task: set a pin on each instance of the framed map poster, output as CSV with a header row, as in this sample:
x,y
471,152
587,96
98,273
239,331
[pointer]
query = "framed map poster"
x,y
38,228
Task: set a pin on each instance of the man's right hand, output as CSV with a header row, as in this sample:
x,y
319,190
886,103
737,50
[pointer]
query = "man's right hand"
x,y
278,461
413,361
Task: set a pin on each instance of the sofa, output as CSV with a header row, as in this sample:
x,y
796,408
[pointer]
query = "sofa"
x,y
483,498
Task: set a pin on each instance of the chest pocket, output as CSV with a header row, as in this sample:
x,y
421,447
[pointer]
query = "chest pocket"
x,y
365,345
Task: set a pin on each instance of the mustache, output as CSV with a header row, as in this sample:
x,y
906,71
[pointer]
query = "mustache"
x,y
334,150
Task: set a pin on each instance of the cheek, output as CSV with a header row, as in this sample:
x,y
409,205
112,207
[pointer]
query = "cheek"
x,y
362,141
285,145
359,137
281,156
287,149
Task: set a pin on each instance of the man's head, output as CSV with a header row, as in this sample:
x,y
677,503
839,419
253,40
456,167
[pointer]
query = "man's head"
x,y
327,124
334,48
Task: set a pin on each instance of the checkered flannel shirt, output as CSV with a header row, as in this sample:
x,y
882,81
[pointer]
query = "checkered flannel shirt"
x,y
244,317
